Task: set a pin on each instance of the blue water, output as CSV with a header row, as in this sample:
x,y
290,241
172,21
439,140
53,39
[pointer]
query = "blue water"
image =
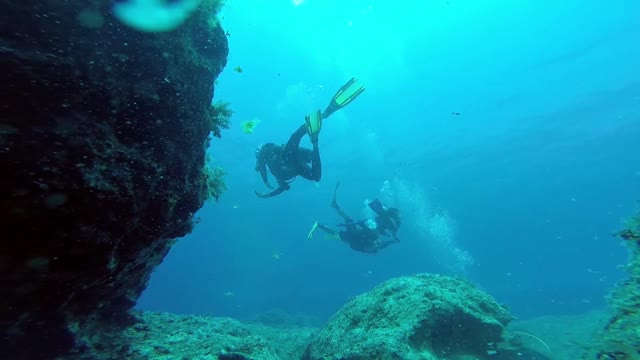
x,y
519,193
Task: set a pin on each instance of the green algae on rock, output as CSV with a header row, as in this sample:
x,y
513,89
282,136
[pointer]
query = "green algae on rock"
x,y
423,316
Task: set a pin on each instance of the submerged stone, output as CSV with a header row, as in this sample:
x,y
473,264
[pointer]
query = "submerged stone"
x,y
415,317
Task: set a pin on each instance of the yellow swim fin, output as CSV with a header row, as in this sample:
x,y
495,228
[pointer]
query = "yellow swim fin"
x,y
313,122
345,95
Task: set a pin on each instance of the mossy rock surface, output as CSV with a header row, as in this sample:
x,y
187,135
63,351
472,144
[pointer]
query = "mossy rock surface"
x,y
423,316
165,336
620,337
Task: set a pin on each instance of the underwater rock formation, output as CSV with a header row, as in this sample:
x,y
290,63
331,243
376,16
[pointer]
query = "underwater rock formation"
x,y
103,132
417,317
169,336
620,338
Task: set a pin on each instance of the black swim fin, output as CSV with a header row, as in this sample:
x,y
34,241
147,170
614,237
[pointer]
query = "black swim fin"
x,y
377,207
334,203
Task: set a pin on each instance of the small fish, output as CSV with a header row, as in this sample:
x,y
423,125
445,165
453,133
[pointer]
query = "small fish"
x,y
249,126
238,69
235,206
276,256
455,113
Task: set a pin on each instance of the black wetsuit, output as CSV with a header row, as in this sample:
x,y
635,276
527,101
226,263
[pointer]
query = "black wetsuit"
x,y
388,226
359,236
288,161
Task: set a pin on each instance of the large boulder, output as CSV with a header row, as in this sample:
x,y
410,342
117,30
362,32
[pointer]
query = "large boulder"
x,y
103,131
416,317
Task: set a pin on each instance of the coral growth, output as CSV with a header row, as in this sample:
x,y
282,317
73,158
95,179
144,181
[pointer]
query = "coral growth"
x,y
215,181
219,115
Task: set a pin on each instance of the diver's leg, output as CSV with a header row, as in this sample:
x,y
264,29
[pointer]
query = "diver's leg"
x,y
324,228
316,163
343,214
327,229
334,204
290,152
313,172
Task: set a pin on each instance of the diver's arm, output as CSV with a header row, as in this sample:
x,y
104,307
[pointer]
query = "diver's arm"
x,y
395,224
392,235
261,167
350,222
394,231
283,187
265,179
385,231
291,148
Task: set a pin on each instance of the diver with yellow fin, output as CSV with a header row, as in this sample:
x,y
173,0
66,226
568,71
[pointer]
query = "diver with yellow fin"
x,y
364,235
288,161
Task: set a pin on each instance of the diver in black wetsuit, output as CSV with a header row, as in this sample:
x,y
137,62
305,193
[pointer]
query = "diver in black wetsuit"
x,y
288,161
364,235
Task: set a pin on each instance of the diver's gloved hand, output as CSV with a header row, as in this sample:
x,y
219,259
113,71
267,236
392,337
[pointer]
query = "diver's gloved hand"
x,y
281,188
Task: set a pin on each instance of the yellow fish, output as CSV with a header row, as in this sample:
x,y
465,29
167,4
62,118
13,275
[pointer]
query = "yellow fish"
x,y
238,69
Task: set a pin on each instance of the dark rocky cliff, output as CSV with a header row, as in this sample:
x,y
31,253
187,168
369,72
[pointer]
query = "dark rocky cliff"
x,y
103,131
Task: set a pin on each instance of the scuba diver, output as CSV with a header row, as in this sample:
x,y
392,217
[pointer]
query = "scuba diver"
x,y
288,161
364,235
